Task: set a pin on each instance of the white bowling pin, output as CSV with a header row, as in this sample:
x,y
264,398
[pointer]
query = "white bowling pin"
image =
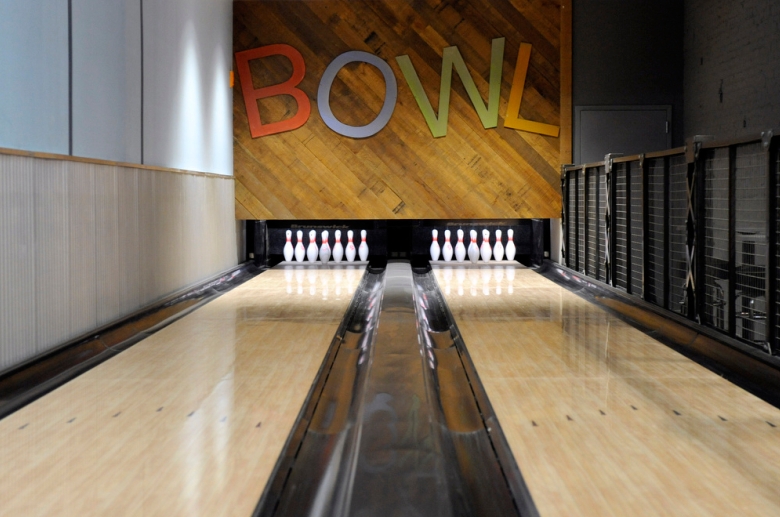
x,y
312,251
338,249
485,250
473,248
510,246
300,251
325,248
363,248
498,249
460,248
289,252
446,250
435,249
350,251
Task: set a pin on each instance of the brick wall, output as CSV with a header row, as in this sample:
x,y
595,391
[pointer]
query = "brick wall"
x,y
733,47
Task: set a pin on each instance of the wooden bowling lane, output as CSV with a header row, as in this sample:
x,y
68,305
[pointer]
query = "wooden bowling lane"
x,y
601,418
189,421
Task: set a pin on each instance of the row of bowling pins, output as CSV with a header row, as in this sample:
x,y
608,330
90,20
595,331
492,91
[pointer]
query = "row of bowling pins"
x,y
485,251
324,251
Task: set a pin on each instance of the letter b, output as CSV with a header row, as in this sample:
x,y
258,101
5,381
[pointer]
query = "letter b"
x,y
252,95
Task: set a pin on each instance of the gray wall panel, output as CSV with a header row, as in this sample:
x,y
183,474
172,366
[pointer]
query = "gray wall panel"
x,y
129,258
107,79
17,259
52,258
188,120
81,203
34,75
107,245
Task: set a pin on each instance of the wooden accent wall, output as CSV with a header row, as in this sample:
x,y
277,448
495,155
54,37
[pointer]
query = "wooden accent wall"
x,y
403,171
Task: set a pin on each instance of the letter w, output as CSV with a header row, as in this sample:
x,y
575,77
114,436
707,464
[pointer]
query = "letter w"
x,y
488,115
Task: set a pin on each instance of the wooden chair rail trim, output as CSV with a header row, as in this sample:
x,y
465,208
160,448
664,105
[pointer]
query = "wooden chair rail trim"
x,y
109,163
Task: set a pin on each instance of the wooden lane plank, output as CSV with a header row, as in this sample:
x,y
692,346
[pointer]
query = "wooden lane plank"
x,y
603,419
189,421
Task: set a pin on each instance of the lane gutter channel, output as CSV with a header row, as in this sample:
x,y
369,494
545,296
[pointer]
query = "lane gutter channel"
x,y
378,433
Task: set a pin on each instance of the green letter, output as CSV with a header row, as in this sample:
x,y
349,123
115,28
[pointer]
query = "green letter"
x,y
451,57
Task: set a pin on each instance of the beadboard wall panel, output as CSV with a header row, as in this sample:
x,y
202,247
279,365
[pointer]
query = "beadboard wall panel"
x,y
86,243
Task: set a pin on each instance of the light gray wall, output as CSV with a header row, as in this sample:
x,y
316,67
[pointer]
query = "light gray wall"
x,y
148,88
34,75
107,79
188,104
733,47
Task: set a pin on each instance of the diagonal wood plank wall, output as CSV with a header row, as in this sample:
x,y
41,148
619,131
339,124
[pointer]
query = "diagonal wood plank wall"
x,y
403,172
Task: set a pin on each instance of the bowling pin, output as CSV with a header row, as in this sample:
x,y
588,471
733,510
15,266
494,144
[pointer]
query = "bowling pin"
x,y
363,248
510,246
325,248
473,248
300,251
460,248
311,251
338,249
435,249
498,249
350,251
485,250
446,251
289,252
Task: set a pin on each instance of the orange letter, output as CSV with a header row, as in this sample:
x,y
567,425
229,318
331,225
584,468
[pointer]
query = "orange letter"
x,y
252,95
513,119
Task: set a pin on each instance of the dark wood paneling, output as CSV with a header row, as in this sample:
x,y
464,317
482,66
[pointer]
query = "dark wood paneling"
x,y
403,172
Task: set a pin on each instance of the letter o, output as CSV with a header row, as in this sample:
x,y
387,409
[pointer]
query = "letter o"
x,y
323,95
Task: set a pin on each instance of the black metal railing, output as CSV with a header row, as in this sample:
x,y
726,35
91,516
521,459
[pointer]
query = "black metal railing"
x,y
692,230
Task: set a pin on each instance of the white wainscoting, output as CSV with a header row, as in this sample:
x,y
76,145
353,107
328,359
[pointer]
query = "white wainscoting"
x,y
84,243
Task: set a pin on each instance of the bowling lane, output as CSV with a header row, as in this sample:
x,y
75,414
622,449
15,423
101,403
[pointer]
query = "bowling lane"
x,y
187,422
601,418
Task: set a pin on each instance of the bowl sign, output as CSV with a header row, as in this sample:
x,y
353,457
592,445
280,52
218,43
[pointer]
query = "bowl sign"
x,y
437,123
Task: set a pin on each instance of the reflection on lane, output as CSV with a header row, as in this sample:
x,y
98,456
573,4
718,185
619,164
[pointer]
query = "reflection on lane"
x,y
482,280
605,420
330,281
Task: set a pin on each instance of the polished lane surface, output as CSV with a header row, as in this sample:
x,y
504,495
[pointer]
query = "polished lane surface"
x,y
189,421
604,420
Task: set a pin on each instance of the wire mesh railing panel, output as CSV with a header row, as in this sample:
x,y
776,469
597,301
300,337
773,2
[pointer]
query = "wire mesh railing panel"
x,y
656,221
581,222
602,226
571,220
637,242
716,238
777,254
750,205
591,200
620,226
678,232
